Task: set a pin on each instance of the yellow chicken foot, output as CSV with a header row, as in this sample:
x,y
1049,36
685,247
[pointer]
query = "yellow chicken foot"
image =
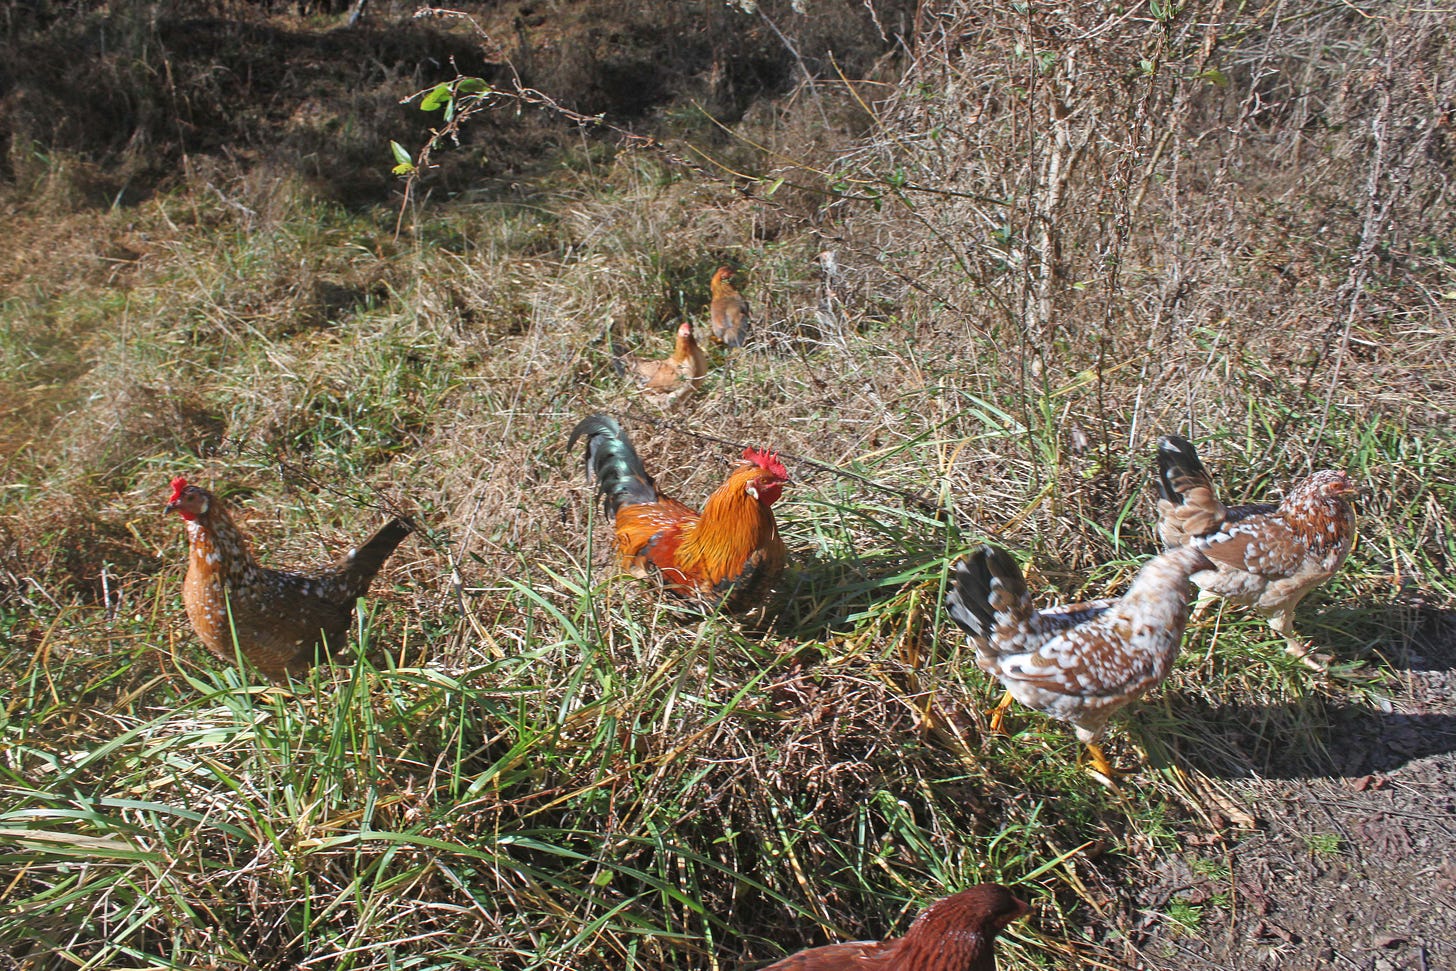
x,y
998,714
1099,761
1283,624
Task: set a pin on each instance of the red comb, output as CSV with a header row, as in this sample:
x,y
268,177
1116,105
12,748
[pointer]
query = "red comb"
x,y
768,461
178,484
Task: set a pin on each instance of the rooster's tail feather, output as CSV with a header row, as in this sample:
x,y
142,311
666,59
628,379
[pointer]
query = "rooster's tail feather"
x,y
612,461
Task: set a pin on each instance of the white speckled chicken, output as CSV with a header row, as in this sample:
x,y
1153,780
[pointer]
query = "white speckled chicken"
x,y
1263,555
1078,663
283,621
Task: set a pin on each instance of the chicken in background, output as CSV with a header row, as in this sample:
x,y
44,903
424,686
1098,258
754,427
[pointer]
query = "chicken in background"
x,y
283,621
671,381
1078,663
730,553
1262,555
954,934
728,310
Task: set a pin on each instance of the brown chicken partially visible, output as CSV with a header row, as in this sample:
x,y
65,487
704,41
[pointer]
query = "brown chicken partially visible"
x,y
668,382
1078,663
1264,556
730,553
954,934
728,311
283,621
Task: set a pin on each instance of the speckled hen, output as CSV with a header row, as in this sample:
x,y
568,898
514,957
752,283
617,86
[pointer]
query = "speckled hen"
x,y
954,934
283,621
1078,663
1263,555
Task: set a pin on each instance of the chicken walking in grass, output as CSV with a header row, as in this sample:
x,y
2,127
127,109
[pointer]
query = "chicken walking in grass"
x,y
728,310
1079,663
954,934
279,620
730,553
671,381
1262,555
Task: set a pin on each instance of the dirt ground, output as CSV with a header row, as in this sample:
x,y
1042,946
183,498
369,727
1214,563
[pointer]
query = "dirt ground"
x,y
1350,868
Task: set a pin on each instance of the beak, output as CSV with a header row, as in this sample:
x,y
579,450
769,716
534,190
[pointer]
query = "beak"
x,y
169,507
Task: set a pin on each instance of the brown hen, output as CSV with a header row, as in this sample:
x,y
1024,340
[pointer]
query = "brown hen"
x,y
281,621
728,310
670,381
1263,555
1079,663
954,934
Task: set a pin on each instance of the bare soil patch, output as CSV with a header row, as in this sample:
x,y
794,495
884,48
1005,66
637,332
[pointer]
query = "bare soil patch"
x,y
1352,868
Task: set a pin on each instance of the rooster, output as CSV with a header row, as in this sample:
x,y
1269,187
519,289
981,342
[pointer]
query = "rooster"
x,y
1265,556
730,553
280,621
668,382
954,934
1078,663
728,311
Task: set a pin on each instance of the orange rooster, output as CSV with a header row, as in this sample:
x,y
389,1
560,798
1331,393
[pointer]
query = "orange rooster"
x,y
668,382
280,620
729,311
954,934
730,553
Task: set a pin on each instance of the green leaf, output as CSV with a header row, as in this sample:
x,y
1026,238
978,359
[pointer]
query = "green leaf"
x,y
773,187
472,86
401,155
403,168
437,98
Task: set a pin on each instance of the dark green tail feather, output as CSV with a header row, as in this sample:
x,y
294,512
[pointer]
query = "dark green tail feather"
x,y
613,463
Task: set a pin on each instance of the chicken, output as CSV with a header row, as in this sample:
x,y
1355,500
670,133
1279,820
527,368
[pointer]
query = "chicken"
x,y
668,382
282,621
954,934
1265,556
729,554
1078,663
728,311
